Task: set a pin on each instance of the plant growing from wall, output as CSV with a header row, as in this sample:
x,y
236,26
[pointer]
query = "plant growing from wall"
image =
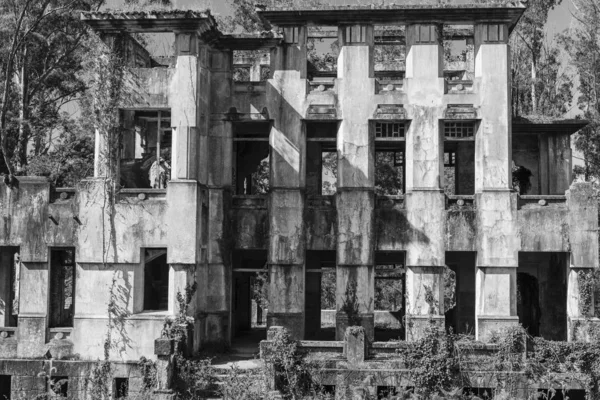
x,y
586,283
350,304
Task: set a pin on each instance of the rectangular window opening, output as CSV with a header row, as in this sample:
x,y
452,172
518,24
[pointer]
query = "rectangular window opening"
x,y
156,280
322,52
251,66
62,287
252,158
459,157
321,158
59,386
10,271
120,388
146,149
390,290
320,294
459,52
390,165
390,51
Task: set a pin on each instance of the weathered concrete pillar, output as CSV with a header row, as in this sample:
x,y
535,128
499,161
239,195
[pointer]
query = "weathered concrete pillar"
x,y
215,276
286,93
187,88
425,254
497,243
583,228
355,196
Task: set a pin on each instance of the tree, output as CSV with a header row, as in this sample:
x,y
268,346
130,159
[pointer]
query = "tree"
x,y
583,47
539,85
42,50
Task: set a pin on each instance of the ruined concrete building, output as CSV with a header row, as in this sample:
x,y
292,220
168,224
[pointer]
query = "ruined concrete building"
x,y
374,146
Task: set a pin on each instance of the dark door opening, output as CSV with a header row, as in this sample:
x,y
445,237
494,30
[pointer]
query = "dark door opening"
x,y
250,293
542,294
459,292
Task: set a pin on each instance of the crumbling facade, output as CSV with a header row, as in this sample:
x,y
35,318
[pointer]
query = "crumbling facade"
x,y
242,188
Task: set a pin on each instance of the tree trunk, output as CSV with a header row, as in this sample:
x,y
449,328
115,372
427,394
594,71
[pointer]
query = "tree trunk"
x,y
21,156
533,79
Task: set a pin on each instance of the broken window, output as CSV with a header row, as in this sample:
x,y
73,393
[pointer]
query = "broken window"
x,y
459,157
9,286
146,149
459,58
321,158
390,50
62,287
251,66
322,51
389,157
252,163
156,280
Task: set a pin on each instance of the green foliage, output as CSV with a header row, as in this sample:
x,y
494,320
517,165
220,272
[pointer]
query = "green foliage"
x,y
243,385
67,163
148,369
293,375
586,283
431,361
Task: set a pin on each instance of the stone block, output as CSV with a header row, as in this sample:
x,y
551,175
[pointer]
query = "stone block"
x,y
355,344
164,347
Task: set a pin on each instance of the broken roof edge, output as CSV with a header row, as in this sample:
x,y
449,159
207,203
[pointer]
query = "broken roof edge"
x,y
150,21
429,10
542,124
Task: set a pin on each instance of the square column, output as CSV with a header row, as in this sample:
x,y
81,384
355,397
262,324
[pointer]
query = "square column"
x,y
497,241
583,231
214,294
189,103
355,198
286,94
425,199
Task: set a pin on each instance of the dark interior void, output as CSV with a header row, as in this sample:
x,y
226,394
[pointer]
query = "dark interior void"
x,y
250,291
156,280
459,292
390,168
459,167
147,137
320,295
390,295
321,158
5,387
251,149
59,386
560,394
121,388
542,294
545,158
62,287
479,392
9,285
